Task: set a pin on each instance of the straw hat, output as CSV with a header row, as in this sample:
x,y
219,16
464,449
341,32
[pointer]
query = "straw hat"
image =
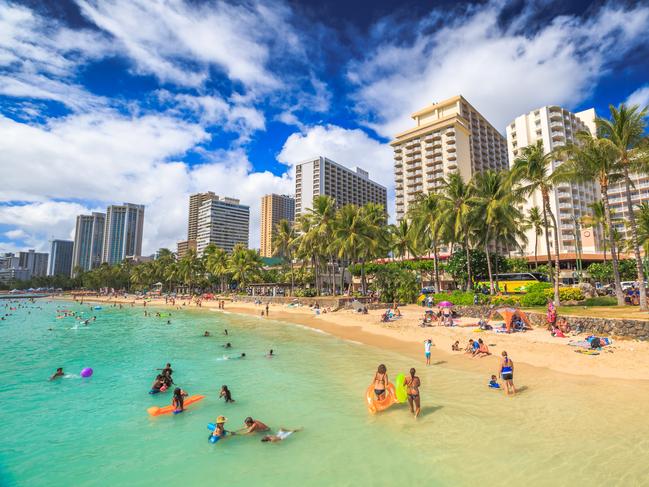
x,y
221,419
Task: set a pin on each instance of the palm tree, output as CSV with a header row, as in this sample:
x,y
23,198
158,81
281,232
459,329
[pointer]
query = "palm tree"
x,y
535,219
189,269
283,242
593,159
216,263
244,265
495,206
404,239
625,131
425,215
455,205
322,215
532,172
643,226
377,237
597,220
350,234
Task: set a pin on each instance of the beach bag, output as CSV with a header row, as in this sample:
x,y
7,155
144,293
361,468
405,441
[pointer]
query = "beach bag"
x,y
595,343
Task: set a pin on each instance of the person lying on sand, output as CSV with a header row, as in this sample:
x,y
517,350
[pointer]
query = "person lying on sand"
x,y
281,434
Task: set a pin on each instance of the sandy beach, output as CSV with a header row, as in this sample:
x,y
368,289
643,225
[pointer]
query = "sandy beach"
x,y
625,359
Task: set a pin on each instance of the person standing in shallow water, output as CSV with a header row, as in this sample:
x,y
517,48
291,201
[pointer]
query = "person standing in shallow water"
x,y
380,381
412,384
507,373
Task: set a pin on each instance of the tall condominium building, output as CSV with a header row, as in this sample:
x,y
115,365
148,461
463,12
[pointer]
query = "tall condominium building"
x,y
123,232
321,176
450,136
556,126
223,222
34,262
61,258
195,202
274,207
88,245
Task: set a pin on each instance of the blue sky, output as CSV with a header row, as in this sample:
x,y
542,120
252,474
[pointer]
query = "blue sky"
x,y
148,101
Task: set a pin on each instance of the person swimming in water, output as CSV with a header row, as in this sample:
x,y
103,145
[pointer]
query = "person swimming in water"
x,y
281,434
270,354
178,401
253,426
412,384
219,428
57,374
226,394
227,345
206,334
380,381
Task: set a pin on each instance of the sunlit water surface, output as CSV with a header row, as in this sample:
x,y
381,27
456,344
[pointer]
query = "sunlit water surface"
x,y
560,430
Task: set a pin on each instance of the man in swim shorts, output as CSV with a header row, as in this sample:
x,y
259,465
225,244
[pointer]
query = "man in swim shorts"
x,y
282,434
254,425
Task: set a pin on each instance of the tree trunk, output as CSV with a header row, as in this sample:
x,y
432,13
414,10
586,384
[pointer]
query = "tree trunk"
x,y
536,250
486,251
634,240
557,271
436,265
547,237
469,280
363,278
619,295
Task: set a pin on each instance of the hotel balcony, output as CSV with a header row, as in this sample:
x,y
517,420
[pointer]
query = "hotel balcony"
x,y
558,137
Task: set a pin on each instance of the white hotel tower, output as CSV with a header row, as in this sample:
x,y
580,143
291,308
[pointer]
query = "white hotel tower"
x,y
556,126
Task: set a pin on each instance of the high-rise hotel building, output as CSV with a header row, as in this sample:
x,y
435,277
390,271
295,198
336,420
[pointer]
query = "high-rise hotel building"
x,y
61,258
88,245
223,222
450,136
321,176
569,202
617,200
274,207
123,232
195,202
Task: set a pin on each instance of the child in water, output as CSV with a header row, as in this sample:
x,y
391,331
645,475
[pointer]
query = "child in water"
x,y
226,394
493,383
178,401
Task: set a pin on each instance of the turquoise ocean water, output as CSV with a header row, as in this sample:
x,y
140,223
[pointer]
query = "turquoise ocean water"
x,y
96,432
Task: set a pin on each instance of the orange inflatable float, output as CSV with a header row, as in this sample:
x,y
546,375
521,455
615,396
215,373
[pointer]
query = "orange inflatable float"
x,y
156,411
376,405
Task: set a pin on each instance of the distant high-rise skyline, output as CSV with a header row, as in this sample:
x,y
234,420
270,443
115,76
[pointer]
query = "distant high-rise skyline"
x,y
34,262
321,176
88,245
61,258
224,222
195,202
274,207
123,232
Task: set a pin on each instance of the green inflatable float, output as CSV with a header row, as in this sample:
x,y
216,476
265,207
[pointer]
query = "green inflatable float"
x,y
400,388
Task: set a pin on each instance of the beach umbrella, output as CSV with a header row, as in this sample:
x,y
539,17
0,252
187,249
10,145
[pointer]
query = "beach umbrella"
x,y
445,304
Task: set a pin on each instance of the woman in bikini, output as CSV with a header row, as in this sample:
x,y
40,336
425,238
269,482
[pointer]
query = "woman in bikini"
x,y
507,373
412,384
380,381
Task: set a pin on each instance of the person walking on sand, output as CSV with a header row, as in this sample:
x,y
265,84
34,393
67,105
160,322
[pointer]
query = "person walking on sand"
x,y
427,344
507,373
380,381
266,310
412,384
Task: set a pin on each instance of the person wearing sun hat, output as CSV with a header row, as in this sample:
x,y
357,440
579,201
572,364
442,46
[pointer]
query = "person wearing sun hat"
x,y
219,430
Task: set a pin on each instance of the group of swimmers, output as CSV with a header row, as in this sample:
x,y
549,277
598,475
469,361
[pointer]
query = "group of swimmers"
x,y
163,381
250,426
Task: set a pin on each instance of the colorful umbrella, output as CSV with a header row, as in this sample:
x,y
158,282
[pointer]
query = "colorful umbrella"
x,y
445,304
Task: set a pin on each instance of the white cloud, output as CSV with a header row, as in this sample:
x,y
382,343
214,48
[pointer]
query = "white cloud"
x,y
109,159
639,97
179,40
349,147
502,70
